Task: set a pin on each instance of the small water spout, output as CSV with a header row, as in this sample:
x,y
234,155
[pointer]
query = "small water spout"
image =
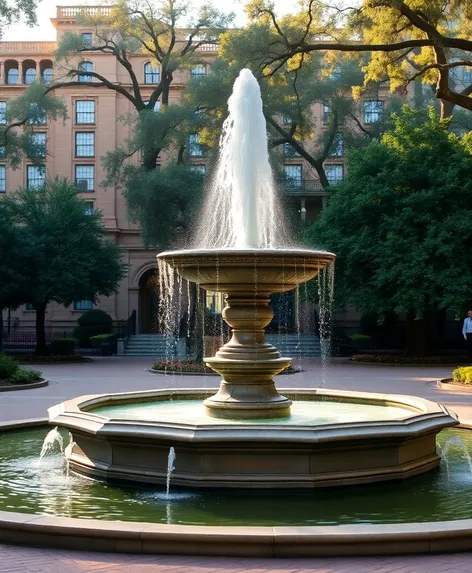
x,y
68,452
53,437
170,469
458,443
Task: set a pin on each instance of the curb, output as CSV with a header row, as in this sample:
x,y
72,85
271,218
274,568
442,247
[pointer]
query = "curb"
x,y
40,384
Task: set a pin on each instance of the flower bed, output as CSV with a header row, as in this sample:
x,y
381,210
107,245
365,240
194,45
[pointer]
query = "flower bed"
x,y
400,359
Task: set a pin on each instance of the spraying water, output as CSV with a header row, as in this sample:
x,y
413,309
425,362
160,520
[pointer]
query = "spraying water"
x,y
170,469
242,210
53,437
455,441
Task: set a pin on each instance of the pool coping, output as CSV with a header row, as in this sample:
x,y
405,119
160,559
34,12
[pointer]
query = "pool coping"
x,y
241,541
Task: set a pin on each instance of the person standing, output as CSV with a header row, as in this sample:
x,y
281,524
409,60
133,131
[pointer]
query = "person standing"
x,y
467,333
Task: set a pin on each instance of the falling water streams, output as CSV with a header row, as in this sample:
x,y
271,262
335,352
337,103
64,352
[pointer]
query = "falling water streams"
x,y
170,469
456,442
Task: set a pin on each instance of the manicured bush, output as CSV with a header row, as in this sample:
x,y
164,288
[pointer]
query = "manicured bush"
x,y
92,323
360,337
463,375
8,366
96,341
52,358
63,346
25,375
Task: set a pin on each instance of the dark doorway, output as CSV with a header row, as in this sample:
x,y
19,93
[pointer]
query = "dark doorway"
x,y
149,303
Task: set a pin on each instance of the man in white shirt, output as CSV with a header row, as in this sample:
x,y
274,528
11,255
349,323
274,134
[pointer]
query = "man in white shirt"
x,y
467,333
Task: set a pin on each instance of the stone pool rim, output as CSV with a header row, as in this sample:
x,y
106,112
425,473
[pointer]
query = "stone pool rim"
x,y
231,541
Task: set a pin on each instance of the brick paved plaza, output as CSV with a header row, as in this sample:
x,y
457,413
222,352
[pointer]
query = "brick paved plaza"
x,y
125,374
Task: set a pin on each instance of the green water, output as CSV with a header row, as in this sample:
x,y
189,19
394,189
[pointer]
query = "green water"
x,y
27,486
314,412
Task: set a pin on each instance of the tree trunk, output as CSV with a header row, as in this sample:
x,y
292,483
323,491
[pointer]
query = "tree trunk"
x,y
1,329
150,158
447,108
41,346
418,335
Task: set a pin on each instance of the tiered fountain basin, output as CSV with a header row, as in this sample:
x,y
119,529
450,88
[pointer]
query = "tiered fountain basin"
x,y
332,438
247,363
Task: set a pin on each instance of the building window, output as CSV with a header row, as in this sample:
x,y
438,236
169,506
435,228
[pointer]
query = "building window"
x,y
12,76
336,73
37,144
157,106
337,147
30,307
151,74
87,39
373,111
3,112
84,178
3,178
293,175
89,209
3,151
84,111
194,147
198,168
290,151
30,75
325,114
83,305
214,301
334,173
85,67
286,120
84,144
467,77
37,116
35,176
47,75
198,71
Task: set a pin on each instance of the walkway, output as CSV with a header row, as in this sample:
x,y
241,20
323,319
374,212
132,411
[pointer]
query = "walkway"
x,y
126,374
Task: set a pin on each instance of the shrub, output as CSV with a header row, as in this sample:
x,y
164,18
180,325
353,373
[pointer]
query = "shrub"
x,y
63,346
96,341
463,375
8,366
360,337
92,323
24,375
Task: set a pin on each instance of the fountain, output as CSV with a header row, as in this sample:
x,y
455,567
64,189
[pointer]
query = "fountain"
x,y
248,434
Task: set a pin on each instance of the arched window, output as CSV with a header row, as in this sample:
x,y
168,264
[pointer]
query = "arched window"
x,y
85,67
47,75
151,74
12,76
30,75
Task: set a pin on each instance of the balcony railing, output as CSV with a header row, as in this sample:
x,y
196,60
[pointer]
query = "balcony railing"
x,y
71,11
27,47
304,187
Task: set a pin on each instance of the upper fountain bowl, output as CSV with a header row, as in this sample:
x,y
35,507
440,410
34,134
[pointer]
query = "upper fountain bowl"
x,y
234,270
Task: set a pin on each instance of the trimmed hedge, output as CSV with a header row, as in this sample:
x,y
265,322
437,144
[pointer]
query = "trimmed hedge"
x,y
63,346
90,324
463,375
97,340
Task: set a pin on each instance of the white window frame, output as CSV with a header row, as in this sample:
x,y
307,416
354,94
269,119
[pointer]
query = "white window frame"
x,y
3,112
88,68
89,186
152,75
86,149
85,113
373,111
3,178
334,173
293,174
35,173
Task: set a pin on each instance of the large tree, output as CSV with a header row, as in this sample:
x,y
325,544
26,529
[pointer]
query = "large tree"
x,y
12,12
62,251
431,39
400,224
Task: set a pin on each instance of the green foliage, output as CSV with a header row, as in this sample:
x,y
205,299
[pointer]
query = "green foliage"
x,y
90,324
402,359
400,223
8,366
360,337
11,12
23,113
164,202
63,253
24,375
63,346
99,339
96,317
463,375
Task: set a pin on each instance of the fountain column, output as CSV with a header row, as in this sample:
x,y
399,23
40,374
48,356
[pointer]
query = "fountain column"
x,y
247,363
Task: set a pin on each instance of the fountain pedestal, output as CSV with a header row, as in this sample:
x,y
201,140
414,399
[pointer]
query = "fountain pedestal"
x,y
247,363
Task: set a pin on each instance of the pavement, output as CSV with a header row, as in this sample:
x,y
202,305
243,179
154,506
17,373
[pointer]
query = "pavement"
x,y
117,374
